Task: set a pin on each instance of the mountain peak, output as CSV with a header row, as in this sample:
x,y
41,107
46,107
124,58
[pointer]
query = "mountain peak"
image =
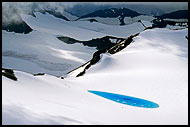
x,y
112,13
180,14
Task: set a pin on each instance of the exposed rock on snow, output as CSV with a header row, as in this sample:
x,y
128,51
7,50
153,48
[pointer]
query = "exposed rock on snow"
x,y
103,43
97,55
154,66
9,74
150,68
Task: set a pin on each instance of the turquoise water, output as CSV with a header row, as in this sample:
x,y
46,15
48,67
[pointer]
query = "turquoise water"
x,y
127,100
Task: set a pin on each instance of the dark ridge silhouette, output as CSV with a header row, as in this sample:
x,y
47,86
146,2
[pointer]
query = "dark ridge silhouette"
x,y
18,26
161,23
100,43
39,74
113,13
9,74
96,56
181,14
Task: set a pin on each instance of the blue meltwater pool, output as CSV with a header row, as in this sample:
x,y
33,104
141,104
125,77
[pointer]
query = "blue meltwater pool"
x,y
127,100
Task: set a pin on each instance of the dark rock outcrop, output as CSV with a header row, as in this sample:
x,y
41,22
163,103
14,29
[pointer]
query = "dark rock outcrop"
x,y
9,74
96,56
100,43
113,13
161,21
12,22
180,14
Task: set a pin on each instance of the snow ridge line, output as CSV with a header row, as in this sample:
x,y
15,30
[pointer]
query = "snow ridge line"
x,y
116,48
150,27
9,73
142,23
96,56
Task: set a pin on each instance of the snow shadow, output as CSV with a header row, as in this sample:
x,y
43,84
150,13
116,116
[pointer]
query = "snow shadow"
x,y
16,115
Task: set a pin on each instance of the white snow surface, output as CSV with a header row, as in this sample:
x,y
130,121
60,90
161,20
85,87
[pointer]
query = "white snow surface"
x,y
129,20
116,21
41,52
153,67
52,25
116,31
75,72
146,23
108,21
69,16
176,27
80,30
176,20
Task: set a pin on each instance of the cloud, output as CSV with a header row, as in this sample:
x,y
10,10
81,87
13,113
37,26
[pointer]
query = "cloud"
x,y
9,14
168,6
10,9
29,6
60,6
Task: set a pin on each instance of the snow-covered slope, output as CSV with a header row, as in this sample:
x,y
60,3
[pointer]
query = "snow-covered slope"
x,y
108,21
129,20
52,25
146,23
49,24
69,16
62,14
177,20
117,31
116,21
153,67
41,52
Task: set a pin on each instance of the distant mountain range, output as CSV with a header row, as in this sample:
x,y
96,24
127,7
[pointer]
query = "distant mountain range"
x,y
120,13
124,12
172,18
126,16
112,13
147,9
181,14
110,16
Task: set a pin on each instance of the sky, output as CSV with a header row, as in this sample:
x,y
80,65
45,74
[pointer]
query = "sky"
x,y
177,5
82,8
